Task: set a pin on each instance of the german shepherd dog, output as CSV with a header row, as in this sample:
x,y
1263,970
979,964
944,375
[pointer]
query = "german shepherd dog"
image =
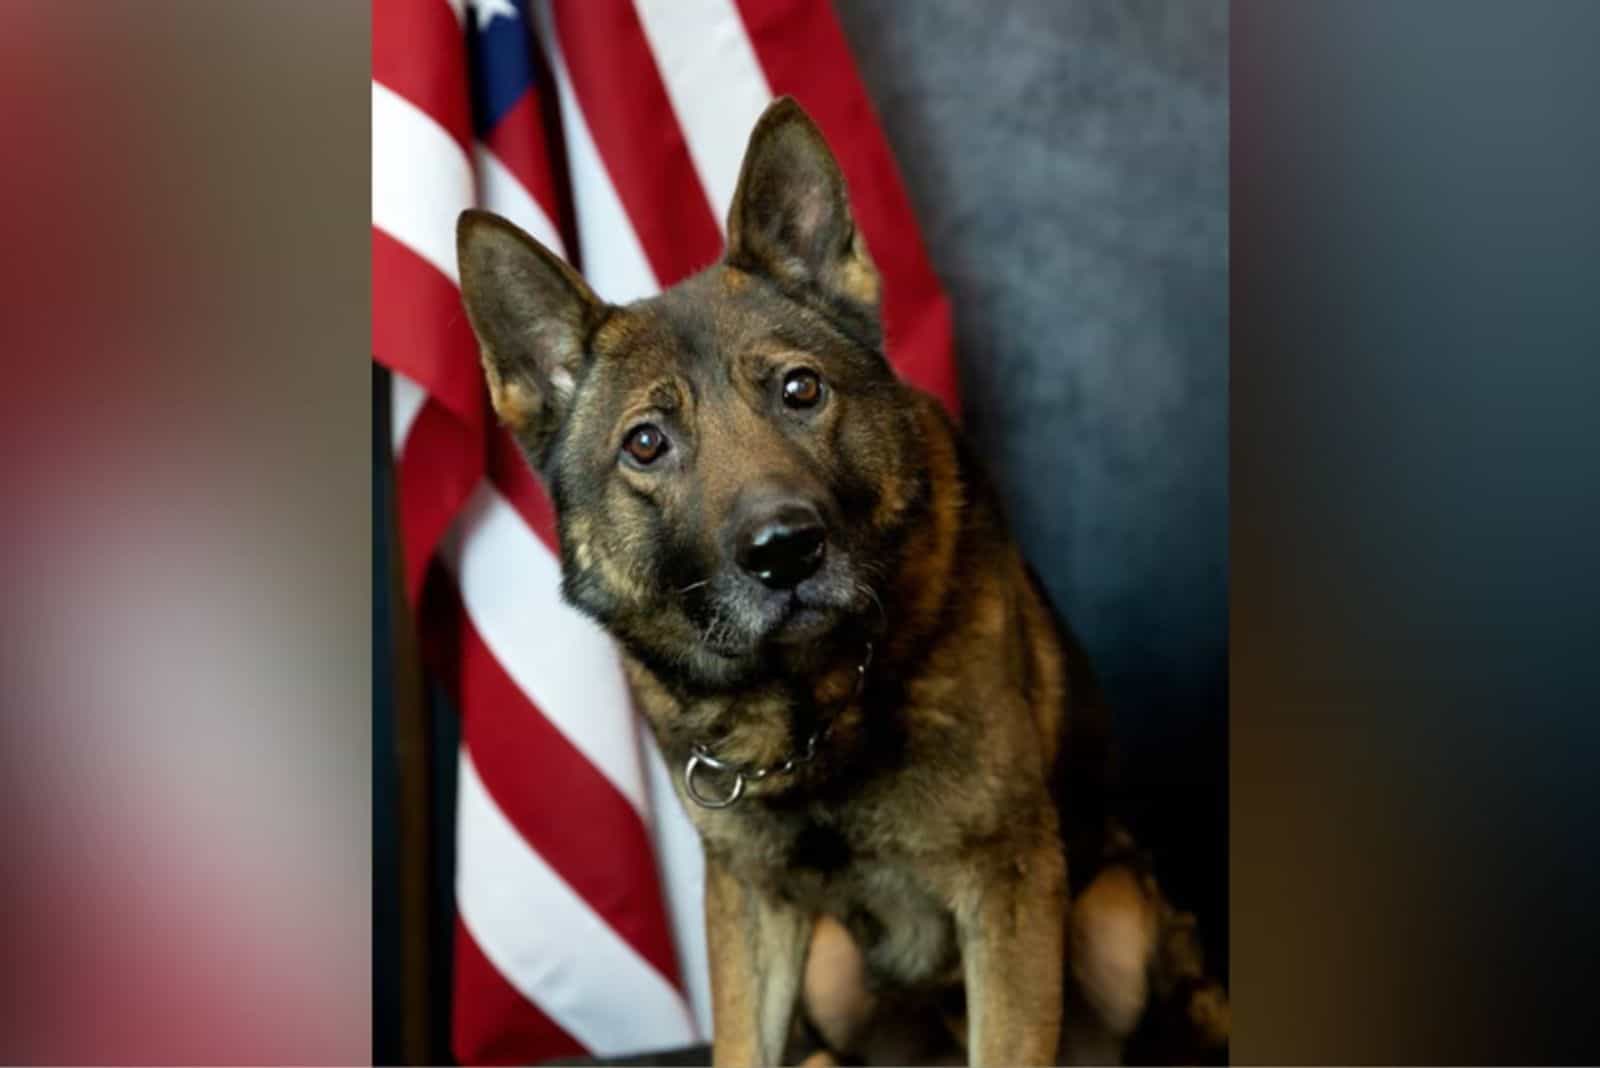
x,y
887,742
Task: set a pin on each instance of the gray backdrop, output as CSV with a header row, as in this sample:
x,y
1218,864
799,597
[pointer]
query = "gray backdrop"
x,y
1067,160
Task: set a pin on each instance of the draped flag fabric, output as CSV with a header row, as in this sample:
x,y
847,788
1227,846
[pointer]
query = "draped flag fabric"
x,y
612,130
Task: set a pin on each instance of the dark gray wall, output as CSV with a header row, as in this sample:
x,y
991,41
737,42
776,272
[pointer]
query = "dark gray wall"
x,y
1067,160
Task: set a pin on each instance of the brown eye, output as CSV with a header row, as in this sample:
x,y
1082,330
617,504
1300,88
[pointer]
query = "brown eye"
x,y
645,443
801,389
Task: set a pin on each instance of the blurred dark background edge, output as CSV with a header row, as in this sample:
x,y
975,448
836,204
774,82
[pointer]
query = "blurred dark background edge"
x,y
1415,527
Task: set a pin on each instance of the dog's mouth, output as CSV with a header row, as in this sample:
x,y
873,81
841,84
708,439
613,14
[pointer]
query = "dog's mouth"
x,y
803,622
741,619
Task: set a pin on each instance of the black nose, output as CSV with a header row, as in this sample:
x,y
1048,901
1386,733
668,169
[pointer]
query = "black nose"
x,y
783,546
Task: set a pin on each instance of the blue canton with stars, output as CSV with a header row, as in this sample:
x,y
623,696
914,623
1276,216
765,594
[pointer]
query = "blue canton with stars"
x,y
500,51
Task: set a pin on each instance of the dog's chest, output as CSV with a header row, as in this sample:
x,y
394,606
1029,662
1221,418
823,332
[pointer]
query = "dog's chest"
x,y
847,871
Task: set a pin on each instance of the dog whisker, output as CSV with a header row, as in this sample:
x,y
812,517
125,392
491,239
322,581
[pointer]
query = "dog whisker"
x,y
695,585
870,592
717,630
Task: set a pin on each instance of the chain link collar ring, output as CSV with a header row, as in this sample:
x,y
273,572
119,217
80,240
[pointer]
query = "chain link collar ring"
x,y
701,759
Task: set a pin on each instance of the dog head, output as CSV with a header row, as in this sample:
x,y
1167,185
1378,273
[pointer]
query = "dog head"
x,y
731,461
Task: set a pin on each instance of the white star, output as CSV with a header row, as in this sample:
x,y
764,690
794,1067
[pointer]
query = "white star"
x,y
488,9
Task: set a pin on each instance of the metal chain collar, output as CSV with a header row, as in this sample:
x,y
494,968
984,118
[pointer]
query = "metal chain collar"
x,y
702,759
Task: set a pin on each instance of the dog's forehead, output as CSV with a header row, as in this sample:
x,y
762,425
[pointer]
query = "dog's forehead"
x,y
697,330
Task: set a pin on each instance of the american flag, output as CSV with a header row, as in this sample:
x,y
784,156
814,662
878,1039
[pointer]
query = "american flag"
x,y
578,879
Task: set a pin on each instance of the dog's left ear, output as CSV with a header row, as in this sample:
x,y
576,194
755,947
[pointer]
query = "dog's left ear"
x,y
531,313
790,218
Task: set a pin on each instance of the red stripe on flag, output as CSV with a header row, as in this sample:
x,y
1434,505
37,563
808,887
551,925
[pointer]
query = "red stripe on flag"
x,y
420,329
438,468
636,132
419,51
805,55
492,1022
518,142
565,809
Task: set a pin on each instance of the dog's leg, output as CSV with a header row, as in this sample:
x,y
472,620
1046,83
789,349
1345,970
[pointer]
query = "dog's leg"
x,y
836,997
1011,922
1112,941
757,948
1139,989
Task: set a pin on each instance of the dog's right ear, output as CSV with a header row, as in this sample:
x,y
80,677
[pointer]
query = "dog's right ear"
x,y
531,313
790,217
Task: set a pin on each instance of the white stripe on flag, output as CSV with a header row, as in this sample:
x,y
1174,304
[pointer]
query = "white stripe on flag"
x,y
683,879
406,399
715,82
421,179
549,944
614,262
511,587
501,192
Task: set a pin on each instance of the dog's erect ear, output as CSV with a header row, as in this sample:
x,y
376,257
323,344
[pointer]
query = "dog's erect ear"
x,y
531,313
790,218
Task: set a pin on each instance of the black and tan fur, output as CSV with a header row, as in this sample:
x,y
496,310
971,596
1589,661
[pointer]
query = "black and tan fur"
x,y
922,855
